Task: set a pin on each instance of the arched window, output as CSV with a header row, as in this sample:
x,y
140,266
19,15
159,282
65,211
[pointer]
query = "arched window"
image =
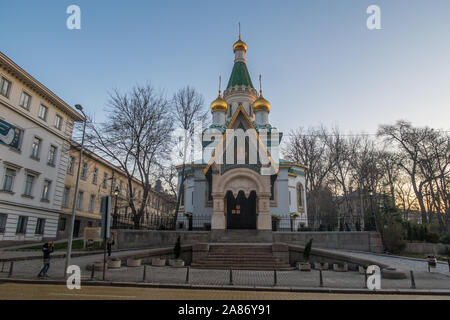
x,y
300,198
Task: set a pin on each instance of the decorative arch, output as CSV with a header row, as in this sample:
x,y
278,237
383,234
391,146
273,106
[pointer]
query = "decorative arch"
x,y
243,179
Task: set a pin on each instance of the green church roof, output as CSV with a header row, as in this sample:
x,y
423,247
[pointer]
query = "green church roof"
x,y
240,76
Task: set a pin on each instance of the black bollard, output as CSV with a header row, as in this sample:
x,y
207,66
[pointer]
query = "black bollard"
x,y
275,280
11,266
231,277
365,279
321,278
144,276
413,282
187,275
93,272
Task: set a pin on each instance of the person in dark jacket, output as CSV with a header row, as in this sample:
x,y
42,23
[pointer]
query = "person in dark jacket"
x,y
47,249
109,245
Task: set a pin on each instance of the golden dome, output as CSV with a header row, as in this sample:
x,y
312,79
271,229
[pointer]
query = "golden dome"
x,y
219,104
261,104
239,45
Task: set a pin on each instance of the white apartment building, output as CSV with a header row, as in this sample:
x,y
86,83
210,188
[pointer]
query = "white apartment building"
x,y
35,132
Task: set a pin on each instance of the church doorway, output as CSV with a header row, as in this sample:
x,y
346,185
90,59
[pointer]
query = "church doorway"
x,y
241,211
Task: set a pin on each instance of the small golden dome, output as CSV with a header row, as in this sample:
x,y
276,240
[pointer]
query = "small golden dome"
x,y
239,45
219,104
261,104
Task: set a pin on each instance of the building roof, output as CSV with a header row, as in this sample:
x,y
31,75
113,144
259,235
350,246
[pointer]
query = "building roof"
x,y
240,76
24,76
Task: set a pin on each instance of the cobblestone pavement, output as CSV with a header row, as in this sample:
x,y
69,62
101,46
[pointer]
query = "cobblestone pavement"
x,y
52,292
402,263
167,275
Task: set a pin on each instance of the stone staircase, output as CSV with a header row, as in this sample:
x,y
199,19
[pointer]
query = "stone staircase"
x,y
241,256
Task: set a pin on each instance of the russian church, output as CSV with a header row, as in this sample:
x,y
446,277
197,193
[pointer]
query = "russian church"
x,y
241,183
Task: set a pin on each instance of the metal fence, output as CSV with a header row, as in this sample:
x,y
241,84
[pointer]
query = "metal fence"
x,y
288,223
146,222
196,223
157,222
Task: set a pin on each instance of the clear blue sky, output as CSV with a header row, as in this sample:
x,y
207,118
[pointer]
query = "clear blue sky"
x,y
320,63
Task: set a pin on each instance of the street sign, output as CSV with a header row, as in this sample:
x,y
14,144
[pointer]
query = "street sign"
x,y
106,217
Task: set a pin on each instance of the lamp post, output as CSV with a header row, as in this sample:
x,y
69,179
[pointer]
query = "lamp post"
x,y
116,194
373,221
72,221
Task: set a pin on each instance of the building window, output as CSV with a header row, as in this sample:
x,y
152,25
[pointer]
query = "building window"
x,y
80,200
46,190
120,186
66,196
29,185
43,112
92,203
58,122
113,184
105,180
300,200
62,224
36,148
182,195
8,180
95,176
84,170
5,86
22,225
3,218
40,226
25,100
71,165
52,155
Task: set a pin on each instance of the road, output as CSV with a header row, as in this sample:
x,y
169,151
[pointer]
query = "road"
x,y
17,291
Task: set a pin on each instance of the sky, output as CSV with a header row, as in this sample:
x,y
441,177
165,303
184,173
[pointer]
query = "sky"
x,y
319,62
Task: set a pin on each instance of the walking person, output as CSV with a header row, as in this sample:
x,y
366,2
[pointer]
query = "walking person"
x,y
109,245
47,249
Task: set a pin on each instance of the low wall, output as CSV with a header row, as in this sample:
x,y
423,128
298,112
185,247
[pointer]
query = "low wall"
x,y
426,248
130,239
360,241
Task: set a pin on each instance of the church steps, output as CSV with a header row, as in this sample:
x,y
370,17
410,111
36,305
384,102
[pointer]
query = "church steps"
x,y
241,256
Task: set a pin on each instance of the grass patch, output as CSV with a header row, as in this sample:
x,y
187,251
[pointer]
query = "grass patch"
x,y
76,245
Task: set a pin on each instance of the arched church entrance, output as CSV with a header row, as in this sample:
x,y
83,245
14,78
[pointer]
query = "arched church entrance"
x,y
241,211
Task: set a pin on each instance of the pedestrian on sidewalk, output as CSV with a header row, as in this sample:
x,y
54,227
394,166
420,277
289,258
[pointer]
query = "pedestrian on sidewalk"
x,y
47,249
109,245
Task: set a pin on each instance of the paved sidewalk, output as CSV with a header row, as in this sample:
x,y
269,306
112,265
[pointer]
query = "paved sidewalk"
x,y
403,263
29,269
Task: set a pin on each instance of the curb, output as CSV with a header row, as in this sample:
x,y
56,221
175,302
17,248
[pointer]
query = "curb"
x,y
429,292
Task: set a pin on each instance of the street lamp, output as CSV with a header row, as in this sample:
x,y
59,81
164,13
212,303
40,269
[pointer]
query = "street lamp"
x,y
72,221
373,221
116,194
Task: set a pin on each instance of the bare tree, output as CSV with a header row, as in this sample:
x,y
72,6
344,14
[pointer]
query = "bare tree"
x,y
188,107
135,137
308,146
407,138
